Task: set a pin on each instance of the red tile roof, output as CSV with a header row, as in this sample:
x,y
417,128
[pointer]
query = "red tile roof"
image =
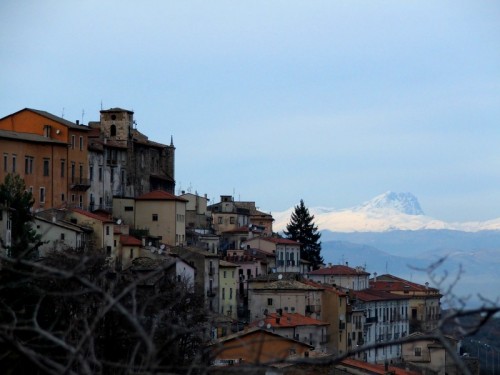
x,y
129,240
103,218
280,241
324,286
287,320
369,295
373,368
160,195
395,284
339,270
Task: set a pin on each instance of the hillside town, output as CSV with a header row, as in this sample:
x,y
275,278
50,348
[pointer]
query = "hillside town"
x,y
107,186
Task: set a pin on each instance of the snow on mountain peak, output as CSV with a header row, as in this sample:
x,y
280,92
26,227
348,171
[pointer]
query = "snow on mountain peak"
x,y
405,203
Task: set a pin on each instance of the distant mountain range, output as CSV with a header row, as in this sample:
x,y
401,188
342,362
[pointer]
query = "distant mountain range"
x,y
391,234
386,212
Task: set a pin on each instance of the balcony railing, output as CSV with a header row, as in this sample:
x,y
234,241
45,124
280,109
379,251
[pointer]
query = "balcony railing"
x,y
79,184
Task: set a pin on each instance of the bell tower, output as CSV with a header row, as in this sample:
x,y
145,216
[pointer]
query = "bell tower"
x,y
117,124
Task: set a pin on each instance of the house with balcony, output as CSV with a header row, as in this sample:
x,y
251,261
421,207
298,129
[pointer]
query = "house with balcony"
x,y
50,154
425,305
207,273
286,252
384,318
341,276
228,288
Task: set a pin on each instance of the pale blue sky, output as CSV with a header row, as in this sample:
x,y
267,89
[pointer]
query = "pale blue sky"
x,y
330,101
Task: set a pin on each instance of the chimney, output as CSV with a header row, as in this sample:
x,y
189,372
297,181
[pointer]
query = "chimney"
x,y
347,264
375,277
77,122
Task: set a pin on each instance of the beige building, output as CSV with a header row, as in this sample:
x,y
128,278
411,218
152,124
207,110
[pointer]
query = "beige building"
x,y
102,227
430,356
287,252
163,215
265,297
228,288
341,276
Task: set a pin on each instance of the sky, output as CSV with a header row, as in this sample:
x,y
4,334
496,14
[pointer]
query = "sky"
x,y
333,102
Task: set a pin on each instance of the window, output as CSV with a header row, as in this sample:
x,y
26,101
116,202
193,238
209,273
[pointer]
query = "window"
x,y
231,220
72,171
62,236
81,143
46,131
155,217
81,173
107,230
72,197
42,195
129,208
5,159
113,130
100,173
13,163
112,174
131,253
28,165
46,167
72,142
223,293
81,201
63,197
220,220
123,176
269,302
108,251
418,351
63,167
230,293
91,172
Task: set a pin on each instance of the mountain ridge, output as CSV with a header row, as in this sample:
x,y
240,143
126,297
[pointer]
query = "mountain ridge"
x,y
386,212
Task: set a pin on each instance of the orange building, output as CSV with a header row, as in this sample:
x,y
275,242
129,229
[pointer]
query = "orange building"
x,y
49,153
256,346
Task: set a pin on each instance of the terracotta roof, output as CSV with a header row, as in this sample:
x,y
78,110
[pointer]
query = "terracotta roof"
x,y
373,368
286,320
237,230
280,241
223,263
325,286
281,285
396,284
339,270
129,240
248,331
160,195
29,137
369,295
103,218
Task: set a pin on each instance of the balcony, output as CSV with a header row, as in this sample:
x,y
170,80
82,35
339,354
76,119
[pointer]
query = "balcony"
x,y
360,341
79,184
371,320
211,271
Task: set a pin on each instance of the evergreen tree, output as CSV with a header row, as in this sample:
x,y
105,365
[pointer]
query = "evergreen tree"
x,y
18,202
301,228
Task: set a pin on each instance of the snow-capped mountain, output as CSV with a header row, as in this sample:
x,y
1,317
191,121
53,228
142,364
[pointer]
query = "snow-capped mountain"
x,y
385,212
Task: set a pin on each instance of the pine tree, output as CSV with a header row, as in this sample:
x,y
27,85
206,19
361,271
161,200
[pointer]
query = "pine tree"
x,y
302,229
18,202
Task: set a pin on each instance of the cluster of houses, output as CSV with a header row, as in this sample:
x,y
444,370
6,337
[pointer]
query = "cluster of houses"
x,y
105,185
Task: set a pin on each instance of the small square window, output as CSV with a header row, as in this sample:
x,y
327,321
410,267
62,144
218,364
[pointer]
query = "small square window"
x,y
155,217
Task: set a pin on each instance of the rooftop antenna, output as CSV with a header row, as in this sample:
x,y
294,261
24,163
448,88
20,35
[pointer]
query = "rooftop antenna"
x,y
101,104
83,114
386,266
62,114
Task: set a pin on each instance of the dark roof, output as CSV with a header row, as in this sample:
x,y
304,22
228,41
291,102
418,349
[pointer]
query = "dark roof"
x,y
369,295
58,119
116,109
395,284
28,137
286,320
160,195
339,270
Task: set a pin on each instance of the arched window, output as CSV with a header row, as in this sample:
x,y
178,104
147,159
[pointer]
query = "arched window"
x,y
113,130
